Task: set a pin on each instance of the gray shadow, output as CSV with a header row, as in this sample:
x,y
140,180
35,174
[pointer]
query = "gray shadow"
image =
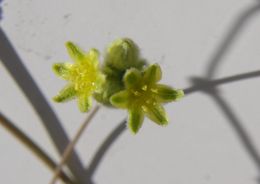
x,y
234,121
225,46
99,155
208,84
237,125
214,63
199,86
26,141
21,76
1,10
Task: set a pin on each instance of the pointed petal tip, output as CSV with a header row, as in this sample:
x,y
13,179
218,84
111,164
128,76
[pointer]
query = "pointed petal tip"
x,y
153,73
132,77
180,94
120,99
166,94
74,51
69,44
66,94
135,120
56,99
61,69
56,68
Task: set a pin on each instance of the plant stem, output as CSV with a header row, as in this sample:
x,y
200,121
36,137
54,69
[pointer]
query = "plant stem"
x,y
67,152
32,146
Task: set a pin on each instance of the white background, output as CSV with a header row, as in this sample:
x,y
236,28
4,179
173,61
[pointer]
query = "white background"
x,y
199,146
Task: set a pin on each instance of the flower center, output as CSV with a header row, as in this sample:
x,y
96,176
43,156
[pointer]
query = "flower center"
x,y
83,76
143,96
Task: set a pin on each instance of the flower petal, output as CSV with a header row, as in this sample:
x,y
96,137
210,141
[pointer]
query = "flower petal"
x,y
75,52
66,94
93,56
132,77
120,99
135,119
152,74
166,94
156,113
62,69
84,103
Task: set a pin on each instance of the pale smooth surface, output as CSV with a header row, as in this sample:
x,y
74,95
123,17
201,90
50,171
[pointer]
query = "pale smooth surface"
x,y
199,146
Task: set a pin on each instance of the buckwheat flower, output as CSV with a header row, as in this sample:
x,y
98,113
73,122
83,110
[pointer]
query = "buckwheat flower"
x,y
83,76
143,96
121,55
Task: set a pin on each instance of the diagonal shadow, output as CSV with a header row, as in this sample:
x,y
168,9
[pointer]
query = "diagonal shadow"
x,y
214,63
111,138
217,58
1,11
241,132
197,87
230,38
234,121
237,125
205,84
20,74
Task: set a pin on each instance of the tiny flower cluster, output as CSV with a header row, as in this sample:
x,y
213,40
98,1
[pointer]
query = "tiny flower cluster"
x,y
125,80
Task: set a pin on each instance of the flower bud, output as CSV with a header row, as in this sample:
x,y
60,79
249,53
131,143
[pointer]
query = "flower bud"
x,y
120,56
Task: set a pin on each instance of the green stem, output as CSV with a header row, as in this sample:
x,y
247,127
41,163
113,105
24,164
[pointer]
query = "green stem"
x,y
66,154
32,146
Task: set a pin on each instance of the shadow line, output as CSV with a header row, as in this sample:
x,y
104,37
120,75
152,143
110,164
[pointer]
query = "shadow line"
x,y
30,89
32,146
20,74
199,86
1,11
206,86
114,135
213,65
234,32
236,124
202,85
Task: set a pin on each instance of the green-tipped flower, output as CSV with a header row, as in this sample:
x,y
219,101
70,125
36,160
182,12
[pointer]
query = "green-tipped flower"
x,y
120,56
144,96
83,76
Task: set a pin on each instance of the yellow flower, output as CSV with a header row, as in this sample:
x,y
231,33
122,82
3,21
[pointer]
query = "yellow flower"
x,y
83,76
143,96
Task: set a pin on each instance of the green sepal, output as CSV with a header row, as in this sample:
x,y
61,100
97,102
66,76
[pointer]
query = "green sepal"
x,y
93,55
66,94
62,69
152,74
135,119
75,52
120,99
132,77
156,113
165,94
